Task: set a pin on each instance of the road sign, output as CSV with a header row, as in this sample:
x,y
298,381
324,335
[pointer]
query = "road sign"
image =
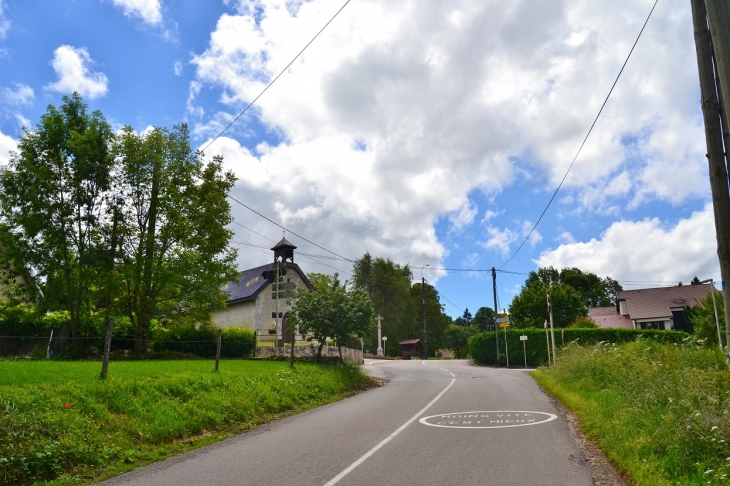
x,y
504,324
523,338
500,320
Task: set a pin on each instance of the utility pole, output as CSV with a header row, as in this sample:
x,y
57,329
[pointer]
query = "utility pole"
x,y
496,312
718,18
552,328
423,310
713,118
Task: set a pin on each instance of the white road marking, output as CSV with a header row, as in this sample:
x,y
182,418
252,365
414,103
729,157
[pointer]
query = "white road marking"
x,y
400,429
488,419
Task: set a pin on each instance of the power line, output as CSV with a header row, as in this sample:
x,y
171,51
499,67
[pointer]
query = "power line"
x,y
586,137
277,77
287,229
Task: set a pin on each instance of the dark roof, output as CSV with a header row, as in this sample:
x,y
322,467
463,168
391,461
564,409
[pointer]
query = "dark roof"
x,y
658,302
283,244
252,281
410,341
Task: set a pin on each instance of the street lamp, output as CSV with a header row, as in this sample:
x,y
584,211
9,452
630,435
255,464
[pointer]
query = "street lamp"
x,y
385,338
423,311
714,305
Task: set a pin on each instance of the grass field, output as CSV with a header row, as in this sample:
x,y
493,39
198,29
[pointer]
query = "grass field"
x,y
60,423
658,411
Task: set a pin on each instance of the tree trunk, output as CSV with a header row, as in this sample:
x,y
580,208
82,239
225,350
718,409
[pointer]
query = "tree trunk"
x,y
319,351
148,305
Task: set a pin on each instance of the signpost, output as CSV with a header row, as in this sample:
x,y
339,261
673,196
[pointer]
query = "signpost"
x,y
523,338
503,322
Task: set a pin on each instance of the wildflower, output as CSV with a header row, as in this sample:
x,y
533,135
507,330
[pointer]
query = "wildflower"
x,y
714,427
709,471
68,405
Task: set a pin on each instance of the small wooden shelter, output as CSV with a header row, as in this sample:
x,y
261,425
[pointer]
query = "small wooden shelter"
x,y
411,348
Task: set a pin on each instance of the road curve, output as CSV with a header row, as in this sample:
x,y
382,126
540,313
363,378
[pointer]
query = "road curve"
x,y
434,423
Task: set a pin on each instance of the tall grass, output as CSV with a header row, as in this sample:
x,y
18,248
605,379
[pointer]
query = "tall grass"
x,y
659,411
58,420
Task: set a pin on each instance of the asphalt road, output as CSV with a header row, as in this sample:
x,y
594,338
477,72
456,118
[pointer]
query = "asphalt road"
x,y
434,423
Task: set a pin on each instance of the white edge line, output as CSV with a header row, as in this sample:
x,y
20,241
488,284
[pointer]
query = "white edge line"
x,y
375,449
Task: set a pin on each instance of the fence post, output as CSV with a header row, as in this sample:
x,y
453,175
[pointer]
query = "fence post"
x,y
107,347
218,350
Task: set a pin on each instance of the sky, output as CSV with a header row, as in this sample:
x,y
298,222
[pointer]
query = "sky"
x,y
428,132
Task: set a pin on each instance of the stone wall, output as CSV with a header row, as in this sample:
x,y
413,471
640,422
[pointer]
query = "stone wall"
x,y
348,354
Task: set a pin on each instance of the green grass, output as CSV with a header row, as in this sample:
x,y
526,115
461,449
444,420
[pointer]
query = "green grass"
x,y
658,411
144,411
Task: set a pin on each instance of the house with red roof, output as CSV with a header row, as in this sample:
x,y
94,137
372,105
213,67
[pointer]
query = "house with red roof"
x,y
655,308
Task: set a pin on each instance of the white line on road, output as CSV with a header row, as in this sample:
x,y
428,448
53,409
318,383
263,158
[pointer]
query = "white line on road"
x,y
375,449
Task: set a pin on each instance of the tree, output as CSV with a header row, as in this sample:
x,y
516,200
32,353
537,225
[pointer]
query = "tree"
x,y
331,310
465,319
695,281
437,322
456,338
389,286
595,291
701,319
175,252
485,319
52,196
529,308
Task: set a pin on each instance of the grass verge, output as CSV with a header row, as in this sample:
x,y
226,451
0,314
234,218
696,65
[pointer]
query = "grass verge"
x,y
658,411
61,424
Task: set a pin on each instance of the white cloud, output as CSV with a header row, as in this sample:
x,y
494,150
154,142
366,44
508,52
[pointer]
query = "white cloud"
x,y
72,68
4,22
7,144
489,214
646,251
149,11
444,97
500,240
22,95
464,216
178,68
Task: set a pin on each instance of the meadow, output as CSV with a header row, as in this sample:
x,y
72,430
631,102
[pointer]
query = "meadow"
x,y
62,424
658,411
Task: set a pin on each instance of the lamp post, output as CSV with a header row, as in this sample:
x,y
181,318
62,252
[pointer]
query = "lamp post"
x,y
714,305
423,311
385,353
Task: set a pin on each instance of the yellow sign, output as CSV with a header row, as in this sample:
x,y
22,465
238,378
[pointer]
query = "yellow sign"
x,y
504,324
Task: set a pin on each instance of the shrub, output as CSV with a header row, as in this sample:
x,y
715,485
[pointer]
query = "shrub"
x,y
202,341
582,322
483,349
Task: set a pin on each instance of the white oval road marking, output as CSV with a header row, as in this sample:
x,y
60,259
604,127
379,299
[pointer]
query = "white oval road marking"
x,y
488,419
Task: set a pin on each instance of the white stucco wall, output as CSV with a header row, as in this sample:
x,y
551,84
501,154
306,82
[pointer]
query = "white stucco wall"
x,y
256,315
238,315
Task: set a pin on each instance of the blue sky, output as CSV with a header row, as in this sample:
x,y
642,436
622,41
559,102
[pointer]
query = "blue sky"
x,y
423,131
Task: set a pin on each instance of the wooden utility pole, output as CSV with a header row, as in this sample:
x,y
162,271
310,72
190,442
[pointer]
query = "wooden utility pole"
x,y
218,349
552,328
496,312
423,311
718,17
716,155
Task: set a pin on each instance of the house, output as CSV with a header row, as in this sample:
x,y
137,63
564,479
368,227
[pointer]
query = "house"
x,y
656,308
252,298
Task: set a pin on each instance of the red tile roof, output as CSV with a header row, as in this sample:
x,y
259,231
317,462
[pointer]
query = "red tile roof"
x,y
658,302
607,317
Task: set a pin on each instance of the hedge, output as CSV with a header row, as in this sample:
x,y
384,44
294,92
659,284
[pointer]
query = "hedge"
x,y
235,342
483,349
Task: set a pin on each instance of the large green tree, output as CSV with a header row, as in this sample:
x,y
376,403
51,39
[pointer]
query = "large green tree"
x,y
436,321
595,291
484,319
175,253
331,310
132,226
52,197
529,308
389,286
